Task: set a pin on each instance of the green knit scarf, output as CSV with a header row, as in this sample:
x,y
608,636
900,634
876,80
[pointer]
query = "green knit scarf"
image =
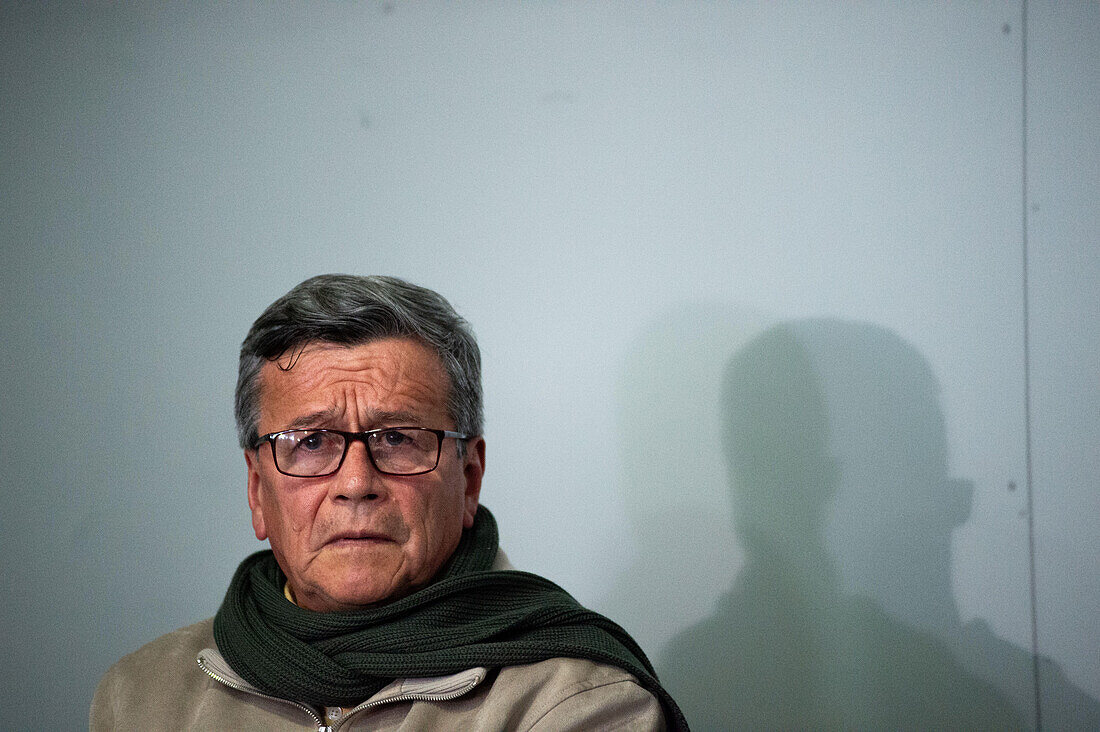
x,y
470,616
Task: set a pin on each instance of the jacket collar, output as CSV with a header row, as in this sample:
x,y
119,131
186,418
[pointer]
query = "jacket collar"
x,y
441,687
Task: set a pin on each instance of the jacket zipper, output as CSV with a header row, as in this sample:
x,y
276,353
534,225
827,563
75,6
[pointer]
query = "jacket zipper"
x,y
320,723
407,696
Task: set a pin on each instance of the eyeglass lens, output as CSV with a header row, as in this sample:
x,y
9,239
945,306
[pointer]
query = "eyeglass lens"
x,y
307,453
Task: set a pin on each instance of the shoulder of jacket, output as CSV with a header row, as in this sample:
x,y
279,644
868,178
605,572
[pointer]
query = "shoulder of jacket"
x,y
171,651
571,690
566,672
141,680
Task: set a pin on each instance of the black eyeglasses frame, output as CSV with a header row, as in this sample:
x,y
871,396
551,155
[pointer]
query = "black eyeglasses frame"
x,y
362,436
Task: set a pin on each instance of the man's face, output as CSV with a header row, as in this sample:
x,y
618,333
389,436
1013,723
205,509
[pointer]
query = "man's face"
x,y
359,537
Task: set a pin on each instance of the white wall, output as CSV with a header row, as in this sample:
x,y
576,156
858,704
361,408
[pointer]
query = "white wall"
x,y
630,204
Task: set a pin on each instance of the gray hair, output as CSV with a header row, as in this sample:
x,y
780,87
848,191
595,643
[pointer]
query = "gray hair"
x,y
352,310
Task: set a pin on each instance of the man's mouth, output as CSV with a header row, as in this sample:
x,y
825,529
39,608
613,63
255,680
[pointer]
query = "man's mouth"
x,y
357,538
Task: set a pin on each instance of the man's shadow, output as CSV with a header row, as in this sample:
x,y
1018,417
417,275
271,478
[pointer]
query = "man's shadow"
x,y
788,646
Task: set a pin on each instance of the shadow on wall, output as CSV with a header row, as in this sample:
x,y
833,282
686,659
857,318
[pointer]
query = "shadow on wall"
x,y
834,441
675,496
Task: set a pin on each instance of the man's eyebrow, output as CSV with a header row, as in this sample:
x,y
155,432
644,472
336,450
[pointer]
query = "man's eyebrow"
x,y
328,416
313,419
395,419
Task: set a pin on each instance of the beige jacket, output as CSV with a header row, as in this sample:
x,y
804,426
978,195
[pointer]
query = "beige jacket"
x,y
180,681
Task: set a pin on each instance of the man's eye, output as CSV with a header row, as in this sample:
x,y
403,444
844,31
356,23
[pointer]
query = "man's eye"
x,y
312,442
394,438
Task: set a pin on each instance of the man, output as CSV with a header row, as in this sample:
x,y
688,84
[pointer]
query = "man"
x,y
384,602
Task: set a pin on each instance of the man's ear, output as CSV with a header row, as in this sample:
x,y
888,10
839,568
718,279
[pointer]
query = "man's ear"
x,y
472,471
252,460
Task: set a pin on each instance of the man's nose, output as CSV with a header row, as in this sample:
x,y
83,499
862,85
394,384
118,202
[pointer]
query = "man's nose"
x,y
357,478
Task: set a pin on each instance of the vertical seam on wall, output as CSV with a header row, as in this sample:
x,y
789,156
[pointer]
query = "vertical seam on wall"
x,y
1035,666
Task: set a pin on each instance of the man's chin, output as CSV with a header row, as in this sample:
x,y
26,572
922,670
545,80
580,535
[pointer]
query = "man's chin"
x,y
371,581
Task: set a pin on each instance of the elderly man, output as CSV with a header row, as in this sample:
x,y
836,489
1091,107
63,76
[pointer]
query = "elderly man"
x,y
384,602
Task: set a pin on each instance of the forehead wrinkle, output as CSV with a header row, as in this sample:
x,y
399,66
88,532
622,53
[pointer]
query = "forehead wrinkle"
x,y
414,388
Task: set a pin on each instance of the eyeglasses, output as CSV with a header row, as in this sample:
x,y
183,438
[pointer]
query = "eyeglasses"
x,y
392,450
